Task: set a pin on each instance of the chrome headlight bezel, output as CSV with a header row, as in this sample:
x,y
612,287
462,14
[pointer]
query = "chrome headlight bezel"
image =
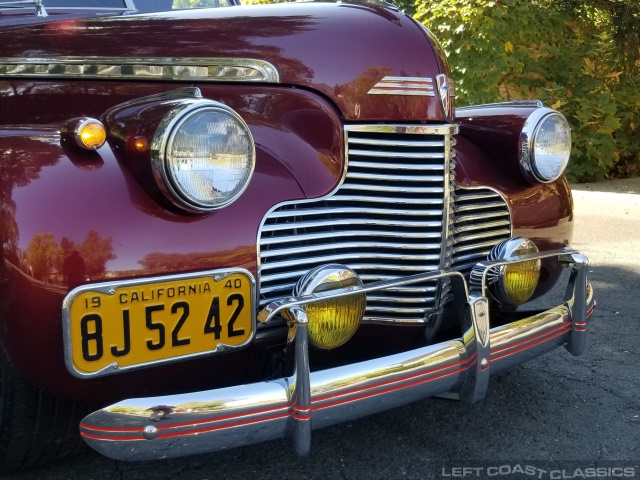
x,y
165,134
530,165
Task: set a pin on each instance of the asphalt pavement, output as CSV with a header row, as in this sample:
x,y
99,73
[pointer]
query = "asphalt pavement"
x,y
555,417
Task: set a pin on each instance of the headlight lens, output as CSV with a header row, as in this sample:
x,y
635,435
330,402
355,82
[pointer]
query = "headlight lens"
x,y
333,321
515,283
551,147
546,146
209,155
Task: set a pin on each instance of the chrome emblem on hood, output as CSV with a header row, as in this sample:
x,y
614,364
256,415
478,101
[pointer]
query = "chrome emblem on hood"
x,y
447,95
404,86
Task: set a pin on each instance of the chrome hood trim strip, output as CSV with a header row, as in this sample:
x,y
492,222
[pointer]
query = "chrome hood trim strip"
x,y
154,68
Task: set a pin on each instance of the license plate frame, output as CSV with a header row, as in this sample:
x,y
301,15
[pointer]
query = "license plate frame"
x,y
81,340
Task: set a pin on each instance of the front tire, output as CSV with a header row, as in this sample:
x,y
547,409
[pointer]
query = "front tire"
x,y
35,428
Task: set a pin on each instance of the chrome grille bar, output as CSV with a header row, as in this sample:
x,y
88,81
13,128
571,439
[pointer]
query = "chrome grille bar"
x,y
346,222
381,153
392,189
394,143
398,166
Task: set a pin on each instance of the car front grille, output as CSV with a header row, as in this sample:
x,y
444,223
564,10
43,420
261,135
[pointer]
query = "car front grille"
x,y
481,220
391,216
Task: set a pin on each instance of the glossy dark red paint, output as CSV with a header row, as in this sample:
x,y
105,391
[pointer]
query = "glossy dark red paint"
x,y
59,191
496,130
315,45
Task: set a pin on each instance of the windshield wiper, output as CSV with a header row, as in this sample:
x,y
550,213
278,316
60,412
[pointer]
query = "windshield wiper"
x,y
40,11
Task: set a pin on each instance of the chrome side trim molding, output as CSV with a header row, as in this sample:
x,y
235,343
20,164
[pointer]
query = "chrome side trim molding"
x,y
154,68
512,103
230,417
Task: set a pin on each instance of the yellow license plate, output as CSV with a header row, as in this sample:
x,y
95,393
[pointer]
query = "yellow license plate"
x,y
112,327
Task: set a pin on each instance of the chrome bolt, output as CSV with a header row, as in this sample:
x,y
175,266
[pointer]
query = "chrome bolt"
x,y
150,432
484,363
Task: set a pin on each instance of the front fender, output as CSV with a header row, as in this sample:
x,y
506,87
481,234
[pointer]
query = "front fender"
x,y
54,199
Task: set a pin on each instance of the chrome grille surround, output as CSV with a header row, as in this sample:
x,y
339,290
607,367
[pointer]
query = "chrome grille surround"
x,y
391,215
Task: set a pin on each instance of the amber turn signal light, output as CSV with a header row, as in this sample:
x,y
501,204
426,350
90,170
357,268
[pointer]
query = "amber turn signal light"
x,y
91,134
140,144
87,133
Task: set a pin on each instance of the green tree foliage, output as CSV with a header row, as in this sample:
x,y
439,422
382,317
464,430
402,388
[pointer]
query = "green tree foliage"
x,y
47,260
96,252
41,255
580,57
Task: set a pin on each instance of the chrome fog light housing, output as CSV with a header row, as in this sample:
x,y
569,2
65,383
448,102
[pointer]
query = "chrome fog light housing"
x,y
514,284
545,146
203,155
333,321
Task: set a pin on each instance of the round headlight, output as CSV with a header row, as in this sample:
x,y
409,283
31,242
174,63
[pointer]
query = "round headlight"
x,y
514,284
203,155
545,146
333,321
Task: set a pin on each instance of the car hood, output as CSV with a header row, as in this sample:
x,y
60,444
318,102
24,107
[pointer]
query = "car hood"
x,y
341,50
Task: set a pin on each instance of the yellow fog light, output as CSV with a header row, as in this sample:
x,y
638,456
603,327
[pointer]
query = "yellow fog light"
x,y
333,321
515,283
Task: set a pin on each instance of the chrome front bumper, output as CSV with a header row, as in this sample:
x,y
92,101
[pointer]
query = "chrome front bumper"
x,y
231,417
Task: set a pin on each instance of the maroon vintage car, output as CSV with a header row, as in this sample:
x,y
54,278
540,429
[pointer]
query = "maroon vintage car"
x,y
223,226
